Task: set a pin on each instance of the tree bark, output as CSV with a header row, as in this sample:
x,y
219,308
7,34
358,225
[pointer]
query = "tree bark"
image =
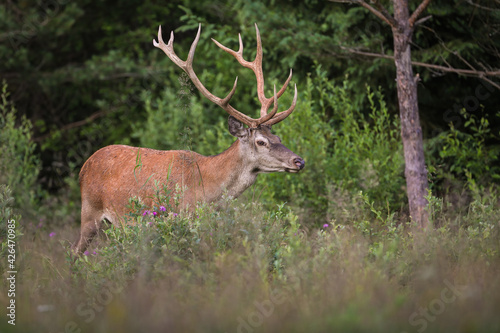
x,y
411,132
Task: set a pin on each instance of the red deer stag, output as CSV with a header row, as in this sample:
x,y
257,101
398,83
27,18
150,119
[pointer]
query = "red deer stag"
x,y
115,173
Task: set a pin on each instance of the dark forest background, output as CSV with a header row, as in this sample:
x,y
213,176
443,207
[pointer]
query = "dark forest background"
x,y
85,74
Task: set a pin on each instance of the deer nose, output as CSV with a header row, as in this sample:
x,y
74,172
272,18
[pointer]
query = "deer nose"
x,y
299,162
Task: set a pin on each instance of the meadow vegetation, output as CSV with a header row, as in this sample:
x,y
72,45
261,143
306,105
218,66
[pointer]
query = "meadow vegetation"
x,y
330,249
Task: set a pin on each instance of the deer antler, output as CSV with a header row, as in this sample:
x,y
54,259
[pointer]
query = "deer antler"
x,y
256,65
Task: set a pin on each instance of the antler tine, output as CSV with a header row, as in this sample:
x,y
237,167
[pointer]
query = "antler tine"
x,y
259,73
268,116
265,107
168,48
285,85
225,101
237,54
283,114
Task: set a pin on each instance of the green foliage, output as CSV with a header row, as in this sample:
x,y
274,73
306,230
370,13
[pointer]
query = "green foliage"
x,y
367,154
179,121
9,221
464,157
156,237
19,164
6,201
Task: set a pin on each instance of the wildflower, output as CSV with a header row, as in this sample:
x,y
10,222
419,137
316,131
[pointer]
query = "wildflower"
x,y
154,214
52,234
162,208
325,225
86,253
94,253
150,223
146,212
175,214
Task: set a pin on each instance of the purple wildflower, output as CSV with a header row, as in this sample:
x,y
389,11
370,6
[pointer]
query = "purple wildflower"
x,y
175,214
146,212
325,225
52,234
162,208
94,253
86,253
150,223
154,214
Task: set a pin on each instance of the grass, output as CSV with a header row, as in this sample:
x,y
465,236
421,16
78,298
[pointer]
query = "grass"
x,y
242,269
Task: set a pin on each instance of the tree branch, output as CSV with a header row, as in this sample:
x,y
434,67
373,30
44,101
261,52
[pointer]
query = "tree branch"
x,y
460,71
422,20
383,14
496,85
75,124
482,7
417,12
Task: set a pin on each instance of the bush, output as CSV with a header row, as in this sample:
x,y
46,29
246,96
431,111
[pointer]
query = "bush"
x,y
464,158
19,164
156,237
9,220
176,120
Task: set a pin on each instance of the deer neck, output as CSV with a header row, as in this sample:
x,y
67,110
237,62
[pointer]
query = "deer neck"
x,y
233,171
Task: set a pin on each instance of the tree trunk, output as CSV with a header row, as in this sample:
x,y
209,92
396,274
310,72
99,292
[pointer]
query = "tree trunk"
x,y
411,132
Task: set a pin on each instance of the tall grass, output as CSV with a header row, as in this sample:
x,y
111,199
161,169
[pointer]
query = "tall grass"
x,y
238,268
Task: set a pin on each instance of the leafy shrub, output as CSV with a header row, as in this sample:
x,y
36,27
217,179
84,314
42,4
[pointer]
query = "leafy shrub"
x,y
6,215
19,164
465,157
156,237
176,120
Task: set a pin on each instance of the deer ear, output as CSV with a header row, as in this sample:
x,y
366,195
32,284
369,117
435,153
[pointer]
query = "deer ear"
x,y
236,128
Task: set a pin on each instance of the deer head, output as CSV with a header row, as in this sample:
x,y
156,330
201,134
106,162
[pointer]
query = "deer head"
x,y
266,147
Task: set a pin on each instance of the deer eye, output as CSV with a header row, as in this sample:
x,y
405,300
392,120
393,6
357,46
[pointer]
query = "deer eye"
x,y
261,143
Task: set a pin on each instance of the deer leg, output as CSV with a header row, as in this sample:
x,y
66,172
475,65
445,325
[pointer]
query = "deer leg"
x,y
89,228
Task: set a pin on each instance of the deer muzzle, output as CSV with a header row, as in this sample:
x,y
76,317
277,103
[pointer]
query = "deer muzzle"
x,y
299,162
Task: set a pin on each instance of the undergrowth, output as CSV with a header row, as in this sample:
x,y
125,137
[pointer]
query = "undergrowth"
x,y
237,267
